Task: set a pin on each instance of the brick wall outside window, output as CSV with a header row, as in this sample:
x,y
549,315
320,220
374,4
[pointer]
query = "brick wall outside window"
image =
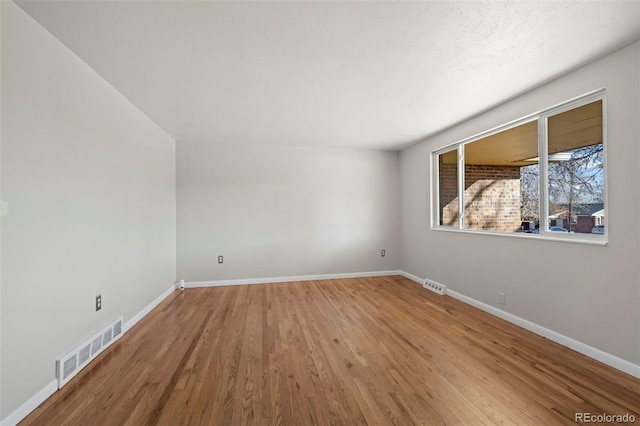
x,y
491,197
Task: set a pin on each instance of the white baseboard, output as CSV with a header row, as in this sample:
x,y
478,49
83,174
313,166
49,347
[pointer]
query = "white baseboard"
x,y
411,277
137,317
219,283
583,348
30,405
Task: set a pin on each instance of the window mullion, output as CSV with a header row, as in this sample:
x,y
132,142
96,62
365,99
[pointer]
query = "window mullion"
x,y
461,186
435,176
543,167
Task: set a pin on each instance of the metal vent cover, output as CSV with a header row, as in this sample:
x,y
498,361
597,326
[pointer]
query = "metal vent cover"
x,y
106,337
84,354
96,345
117,328
435,287
79,357
69,366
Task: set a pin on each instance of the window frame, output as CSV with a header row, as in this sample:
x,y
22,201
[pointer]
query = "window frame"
x,y
541,117
436,192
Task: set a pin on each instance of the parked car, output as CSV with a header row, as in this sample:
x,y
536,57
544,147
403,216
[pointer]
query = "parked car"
x,y
552,229
557,229
598,229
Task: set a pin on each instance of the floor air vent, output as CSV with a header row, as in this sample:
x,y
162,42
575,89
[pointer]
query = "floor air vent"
x,y
434,286
74,361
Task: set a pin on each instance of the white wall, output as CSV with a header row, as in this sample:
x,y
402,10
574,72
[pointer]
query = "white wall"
x,y
91,186
275,211
589,293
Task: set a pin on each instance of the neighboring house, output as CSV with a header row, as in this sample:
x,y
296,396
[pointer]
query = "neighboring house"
x,y
583,216
598,217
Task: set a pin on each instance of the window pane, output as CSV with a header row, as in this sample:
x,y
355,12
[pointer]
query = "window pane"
x,y
448,188
501,181
530,197
576,170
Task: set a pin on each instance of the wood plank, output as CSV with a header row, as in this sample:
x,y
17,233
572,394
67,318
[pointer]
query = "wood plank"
x,y
353,351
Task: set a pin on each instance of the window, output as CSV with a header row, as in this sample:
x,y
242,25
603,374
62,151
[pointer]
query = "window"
x,y
448,195
576,181
496,182
493,167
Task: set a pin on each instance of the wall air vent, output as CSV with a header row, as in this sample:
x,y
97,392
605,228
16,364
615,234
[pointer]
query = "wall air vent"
x,y
84,354
117,328
96,345
69,366
435,287
75,360
106,337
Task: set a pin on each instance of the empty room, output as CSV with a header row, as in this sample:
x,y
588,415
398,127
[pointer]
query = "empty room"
x,y
319,213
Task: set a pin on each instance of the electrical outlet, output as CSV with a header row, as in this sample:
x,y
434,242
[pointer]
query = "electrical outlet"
x,y
98,302
502,298
383,253
220,259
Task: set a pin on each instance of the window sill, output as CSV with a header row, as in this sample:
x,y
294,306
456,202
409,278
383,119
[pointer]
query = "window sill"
x,y
588,239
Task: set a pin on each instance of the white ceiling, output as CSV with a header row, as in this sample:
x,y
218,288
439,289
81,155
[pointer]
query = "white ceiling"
x,y
352,74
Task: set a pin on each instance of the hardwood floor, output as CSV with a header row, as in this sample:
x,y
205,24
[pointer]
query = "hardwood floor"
x,y
371,351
